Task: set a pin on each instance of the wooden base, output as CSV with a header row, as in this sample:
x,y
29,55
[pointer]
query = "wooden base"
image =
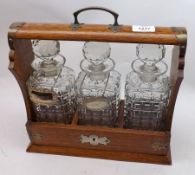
x,y
114,155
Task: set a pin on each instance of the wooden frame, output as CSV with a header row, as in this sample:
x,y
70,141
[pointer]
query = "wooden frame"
x,y
125,144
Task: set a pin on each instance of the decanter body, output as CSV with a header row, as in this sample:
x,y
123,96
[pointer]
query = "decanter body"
x,y
51,85
147,89
98,86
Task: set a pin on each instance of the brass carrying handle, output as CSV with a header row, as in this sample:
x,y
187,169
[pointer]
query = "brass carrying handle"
x,y
115,15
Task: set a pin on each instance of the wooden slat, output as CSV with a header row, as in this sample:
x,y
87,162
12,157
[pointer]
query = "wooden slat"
x,y
121,114
94,32
75,118
21,57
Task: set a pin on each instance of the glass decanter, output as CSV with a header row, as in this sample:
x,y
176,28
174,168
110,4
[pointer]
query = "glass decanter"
x,y
147,89
98,86
51,85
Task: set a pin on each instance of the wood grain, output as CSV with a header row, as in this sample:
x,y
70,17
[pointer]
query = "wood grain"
x,y
94,32
140,141
114,155
21,57
176,77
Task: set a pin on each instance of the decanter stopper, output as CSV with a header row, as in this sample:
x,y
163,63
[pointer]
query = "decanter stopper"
x,y
97,63
47,51
149,55
96,52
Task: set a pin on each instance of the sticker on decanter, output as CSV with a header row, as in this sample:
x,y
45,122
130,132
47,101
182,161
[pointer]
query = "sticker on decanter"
x,y
97,103
139,28
43,96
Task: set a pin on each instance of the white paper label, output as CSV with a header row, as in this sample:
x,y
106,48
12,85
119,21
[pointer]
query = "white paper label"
x,y
97,104
138,28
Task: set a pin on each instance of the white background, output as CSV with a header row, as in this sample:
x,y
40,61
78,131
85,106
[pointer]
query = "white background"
x,y
13,135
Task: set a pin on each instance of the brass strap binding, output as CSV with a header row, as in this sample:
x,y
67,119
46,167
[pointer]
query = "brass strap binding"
x,y
94,140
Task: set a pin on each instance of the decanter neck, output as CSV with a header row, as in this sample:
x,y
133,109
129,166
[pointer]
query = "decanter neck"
x,y
97,72
149,68
49,68
148,72
148,77
98,77
97,68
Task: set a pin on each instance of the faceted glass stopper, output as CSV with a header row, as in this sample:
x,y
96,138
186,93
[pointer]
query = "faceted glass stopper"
x,y
46,49
97,62
149,65
150,53
48,60
96,52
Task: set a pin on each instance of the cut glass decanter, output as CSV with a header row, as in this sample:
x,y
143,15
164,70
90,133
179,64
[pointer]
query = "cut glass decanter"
x,y
51,85
98,86
147,89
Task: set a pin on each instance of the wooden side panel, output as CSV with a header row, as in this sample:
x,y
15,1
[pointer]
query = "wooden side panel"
x,y
21,57
176,77
126,140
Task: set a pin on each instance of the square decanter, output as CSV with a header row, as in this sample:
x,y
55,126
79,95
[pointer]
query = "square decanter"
x,y
98,86
147,89
51,85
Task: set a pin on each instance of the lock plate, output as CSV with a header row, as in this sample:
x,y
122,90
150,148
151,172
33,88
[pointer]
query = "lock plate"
x,y
94,140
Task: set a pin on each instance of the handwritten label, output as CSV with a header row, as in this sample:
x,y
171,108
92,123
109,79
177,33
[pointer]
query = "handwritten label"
x,y
97,104
138,28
